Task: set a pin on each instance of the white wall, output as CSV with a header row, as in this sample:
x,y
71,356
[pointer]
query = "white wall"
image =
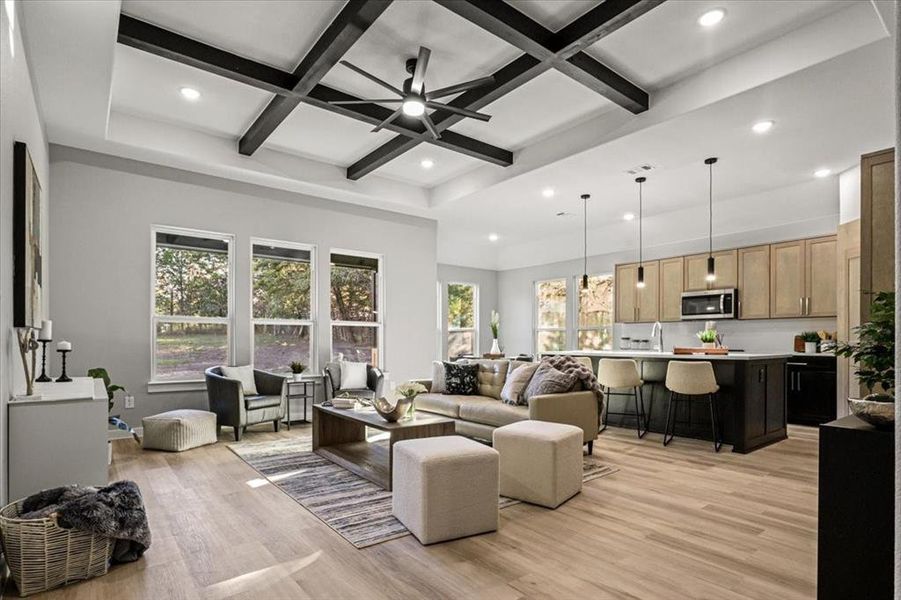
x,y
486,279
849,195
104,211
20,120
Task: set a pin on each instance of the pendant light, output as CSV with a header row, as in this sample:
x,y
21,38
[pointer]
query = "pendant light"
x,y
711,266
585,198
640,283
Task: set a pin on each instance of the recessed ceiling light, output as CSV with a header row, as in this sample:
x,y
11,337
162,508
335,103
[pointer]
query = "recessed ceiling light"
x,y
823,172
427,163
492,237
711,17
628,216
548,192
762,126
189,93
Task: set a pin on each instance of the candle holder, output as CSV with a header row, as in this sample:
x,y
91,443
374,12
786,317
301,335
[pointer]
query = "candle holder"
x,y
63,378
43,378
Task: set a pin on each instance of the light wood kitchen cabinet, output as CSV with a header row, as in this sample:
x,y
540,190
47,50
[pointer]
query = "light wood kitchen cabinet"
x,y
725,264
787,279
634,305
671,287
754,282
821,298
877,226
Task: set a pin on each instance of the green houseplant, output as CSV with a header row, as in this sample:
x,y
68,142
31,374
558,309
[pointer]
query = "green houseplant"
x,y
811,340
111,389
874,355
297,368
708,338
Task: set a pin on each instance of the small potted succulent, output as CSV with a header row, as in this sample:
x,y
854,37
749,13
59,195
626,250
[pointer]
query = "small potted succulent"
x,y
874,355
297,369
811,341
708,338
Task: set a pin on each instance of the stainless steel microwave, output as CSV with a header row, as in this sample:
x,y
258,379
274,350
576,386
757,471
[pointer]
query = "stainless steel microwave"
x,y
710,304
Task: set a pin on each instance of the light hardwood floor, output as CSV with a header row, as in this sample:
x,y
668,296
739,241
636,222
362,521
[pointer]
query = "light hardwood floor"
x,y
675,522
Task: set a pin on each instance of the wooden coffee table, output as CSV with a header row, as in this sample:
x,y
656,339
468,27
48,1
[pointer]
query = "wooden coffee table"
x,y
339,435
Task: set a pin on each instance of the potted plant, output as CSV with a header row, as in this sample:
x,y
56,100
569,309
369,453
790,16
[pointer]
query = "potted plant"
x,y
874,354
297,369
811,340
404,405
708,338
114,420
495,325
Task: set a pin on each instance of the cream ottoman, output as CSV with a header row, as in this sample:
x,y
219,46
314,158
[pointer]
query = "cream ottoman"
x,y
179,430
540,462
445,487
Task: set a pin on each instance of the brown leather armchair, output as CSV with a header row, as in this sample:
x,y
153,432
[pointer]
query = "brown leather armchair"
x,y
234,409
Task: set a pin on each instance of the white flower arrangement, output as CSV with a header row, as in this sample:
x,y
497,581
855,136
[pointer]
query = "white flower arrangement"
x,y
410,389
495,323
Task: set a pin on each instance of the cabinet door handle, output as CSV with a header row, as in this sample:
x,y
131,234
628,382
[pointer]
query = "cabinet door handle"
x,y
801,305
808,306
799,382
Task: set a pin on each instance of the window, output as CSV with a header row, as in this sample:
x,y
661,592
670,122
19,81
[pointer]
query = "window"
x,y
191,305
462,319
550,318
282,303
356,307
595,326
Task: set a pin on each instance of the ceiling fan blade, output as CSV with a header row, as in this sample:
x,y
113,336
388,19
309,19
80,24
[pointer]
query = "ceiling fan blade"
x,y
460,111
427,121
372,77
387,121
422,63
460,87
376,100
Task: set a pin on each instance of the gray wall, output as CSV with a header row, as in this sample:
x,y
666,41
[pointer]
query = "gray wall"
x,y
486,279
102,268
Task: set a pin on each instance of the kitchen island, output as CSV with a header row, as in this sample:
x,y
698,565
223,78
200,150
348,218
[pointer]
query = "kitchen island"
x,y
751,400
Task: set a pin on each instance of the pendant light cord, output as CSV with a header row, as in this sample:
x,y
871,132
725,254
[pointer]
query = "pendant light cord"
x,y
710,219
585,235
640,221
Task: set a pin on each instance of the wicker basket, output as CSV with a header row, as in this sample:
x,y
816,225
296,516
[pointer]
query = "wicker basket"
x,y
42,555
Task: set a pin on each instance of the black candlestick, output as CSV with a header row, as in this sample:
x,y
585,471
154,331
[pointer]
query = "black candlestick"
x,y
63,378
43,378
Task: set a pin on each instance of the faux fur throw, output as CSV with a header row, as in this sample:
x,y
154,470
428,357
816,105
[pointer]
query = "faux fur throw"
x,y
116,511
584,375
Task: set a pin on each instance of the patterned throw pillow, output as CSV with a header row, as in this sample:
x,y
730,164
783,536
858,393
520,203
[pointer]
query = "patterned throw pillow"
x,y
516,384
462,380
548,380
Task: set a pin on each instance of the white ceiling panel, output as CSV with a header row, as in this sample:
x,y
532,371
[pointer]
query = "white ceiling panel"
x,y
275,32
554,14
667,43
447,164
147,85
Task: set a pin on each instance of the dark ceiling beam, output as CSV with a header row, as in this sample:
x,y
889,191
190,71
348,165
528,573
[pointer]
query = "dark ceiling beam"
x,y
352,22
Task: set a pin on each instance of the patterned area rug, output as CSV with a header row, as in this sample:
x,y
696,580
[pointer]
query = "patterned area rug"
x,y
355,508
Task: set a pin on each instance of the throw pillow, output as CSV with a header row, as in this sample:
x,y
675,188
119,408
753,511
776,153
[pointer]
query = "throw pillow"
x,y
548,380
353,375
516,384
461,379
437,377
245,376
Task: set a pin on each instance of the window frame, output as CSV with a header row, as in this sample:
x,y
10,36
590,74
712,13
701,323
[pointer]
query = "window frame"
x,y
314,296
577,312
228,320
566,329
379,323
475,329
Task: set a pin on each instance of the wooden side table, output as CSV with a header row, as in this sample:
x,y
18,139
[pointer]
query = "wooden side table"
x,y
305,390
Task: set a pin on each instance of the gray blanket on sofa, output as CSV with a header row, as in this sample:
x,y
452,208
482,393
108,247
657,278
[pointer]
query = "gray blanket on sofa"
x,y
585,377
116,511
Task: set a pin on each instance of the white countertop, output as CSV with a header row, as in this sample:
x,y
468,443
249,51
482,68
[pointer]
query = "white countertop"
x,y
671,356
80,388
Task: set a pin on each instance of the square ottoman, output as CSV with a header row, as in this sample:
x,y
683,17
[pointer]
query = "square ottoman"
x,y
540,462
179,430
445,487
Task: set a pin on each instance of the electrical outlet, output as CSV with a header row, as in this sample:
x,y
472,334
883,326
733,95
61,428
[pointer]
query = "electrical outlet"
x,y
129,401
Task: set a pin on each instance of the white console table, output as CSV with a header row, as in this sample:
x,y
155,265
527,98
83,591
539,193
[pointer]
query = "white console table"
x,y
59,438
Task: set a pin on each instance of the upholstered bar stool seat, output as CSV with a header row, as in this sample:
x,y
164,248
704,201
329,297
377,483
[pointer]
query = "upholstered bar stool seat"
x,y
540,462
622,374
445,487
687,379
179,430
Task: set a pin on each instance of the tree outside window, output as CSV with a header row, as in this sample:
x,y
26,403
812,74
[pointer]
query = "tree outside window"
x,y
550,319
462,318
355,311
595,329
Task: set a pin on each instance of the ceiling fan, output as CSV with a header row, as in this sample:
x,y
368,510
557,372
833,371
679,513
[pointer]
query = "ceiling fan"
x,y
414,98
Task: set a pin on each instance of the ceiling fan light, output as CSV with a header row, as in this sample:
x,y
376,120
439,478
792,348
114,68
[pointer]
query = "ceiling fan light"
x,y
413,107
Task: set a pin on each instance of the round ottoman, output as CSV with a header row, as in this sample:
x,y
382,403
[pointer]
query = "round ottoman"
x,y
179,430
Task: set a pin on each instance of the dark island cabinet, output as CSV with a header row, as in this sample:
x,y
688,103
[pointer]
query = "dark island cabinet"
x,y
810,389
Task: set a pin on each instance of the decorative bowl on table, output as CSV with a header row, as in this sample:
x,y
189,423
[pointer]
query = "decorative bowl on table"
x,y
392,412
876,409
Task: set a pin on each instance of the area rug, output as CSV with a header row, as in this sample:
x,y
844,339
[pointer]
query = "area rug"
x,y
358,510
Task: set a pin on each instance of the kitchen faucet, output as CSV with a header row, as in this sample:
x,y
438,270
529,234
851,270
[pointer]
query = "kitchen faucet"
x,y
657,331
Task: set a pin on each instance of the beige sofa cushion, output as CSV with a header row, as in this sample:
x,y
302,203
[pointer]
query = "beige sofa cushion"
x,y
492,375
491,412
441,404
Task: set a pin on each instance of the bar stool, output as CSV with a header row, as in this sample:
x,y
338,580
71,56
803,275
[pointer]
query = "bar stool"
x,y
685,380
622,373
